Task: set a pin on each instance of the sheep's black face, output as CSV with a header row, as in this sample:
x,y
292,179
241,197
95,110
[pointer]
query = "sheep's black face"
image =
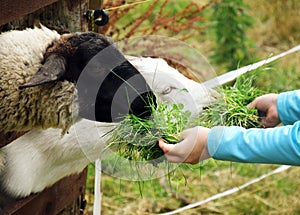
x,y
109,87
123,91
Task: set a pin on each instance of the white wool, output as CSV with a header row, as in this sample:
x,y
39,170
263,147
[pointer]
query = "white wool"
x,y
22,51
46,106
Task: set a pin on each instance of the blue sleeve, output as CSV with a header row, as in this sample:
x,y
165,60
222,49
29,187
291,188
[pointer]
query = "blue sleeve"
x,y
280,145
288,106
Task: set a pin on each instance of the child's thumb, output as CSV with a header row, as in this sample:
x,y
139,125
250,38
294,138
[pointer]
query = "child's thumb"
x,y
164,146
252,105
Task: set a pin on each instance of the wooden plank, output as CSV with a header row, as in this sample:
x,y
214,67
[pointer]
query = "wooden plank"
x,y
13,9
6,138
52,200
64,16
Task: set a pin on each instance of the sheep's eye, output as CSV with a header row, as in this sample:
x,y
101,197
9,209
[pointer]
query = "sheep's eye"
x,y
167,90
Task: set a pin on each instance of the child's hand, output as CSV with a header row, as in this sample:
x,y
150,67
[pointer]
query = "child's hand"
x,y
267,104
191,149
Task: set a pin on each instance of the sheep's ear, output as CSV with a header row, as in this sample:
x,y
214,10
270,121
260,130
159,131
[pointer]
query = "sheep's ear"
x,y
52,70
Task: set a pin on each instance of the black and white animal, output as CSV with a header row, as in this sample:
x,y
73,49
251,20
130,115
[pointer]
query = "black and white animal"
x,y
68,91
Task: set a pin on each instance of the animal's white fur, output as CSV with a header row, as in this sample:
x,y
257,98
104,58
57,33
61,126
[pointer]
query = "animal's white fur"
x,y
171,86
41,157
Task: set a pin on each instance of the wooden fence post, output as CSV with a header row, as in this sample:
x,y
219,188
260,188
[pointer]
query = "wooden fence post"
x,y
62,15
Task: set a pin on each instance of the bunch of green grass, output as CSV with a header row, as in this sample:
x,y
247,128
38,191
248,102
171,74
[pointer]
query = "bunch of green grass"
x,y
230,108
136,139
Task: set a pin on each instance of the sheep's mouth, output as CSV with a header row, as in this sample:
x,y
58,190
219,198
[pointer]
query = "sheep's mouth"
x,y
116,109
147,101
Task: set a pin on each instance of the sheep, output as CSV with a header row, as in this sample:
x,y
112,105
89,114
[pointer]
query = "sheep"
x,y
41,92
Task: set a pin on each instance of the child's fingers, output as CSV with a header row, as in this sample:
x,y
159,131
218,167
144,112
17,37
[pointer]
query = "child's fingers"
x,y
169,154
252,105
165,147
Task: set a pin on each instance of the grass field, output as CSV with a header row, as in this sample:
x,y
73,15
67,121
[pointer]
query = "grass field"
x,y
275,29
